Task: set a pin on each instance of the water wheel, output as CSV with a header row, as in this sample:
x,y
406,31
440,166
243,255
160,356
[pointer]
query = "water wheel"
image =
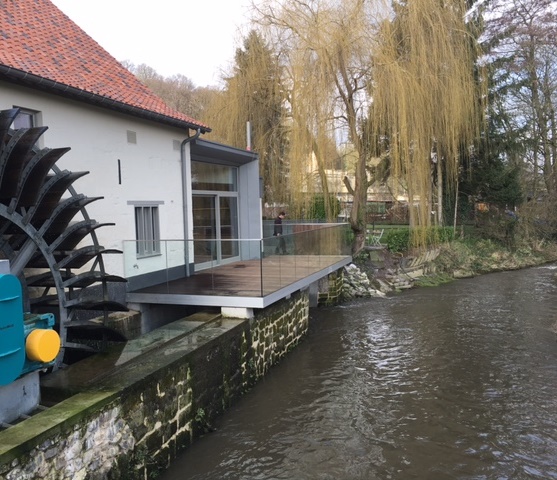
x,y
47,235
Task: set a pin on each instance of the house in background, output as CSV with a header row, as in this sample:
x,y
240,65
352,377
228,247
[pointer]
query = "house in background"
x,y
158,178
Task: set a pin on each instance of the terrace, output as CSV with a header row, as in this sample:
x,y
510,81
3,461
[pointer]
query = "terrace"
x,y
248,273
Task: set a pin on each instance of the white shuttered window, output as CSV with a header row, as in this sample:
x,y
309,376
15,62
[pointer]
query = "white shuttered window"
x,y
147,230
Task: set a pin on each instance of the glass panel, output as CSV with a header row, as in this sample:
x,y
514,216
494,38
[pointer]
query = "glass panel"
x,y
229,226
208,176
257,273
23,120
204,228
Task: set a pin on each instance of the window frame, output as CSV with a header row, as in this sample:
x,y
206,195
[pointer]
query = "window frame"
x,y
147,228
28,114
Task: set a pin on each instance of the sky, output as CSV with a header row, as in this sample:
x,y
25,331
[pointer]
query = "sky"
x,y
193,38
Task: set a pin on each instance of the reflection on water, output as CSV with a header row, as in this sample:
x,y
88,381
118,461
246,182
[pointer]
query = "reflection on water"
x,y
452,382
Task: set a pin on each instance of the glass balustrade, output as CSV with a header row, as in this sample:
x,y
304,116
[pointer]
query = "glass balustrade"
x,y
200,267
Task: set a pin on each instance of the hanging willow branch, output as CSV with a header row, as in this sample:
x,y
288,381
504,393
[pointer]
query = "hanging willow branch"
x,y
396,84
426,96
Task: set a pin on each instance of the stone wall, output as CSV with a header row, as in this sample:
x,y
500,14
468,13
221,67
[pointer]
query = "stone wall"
x,y
331,288
277,330
134,421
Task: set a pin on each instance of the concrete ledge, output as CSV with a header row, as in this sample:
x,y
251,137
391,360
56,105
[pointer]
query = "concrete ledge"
x,y
90,371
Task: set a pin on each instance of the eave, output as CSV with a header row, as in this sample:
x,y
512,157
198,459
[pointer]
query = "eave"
x,y
21,77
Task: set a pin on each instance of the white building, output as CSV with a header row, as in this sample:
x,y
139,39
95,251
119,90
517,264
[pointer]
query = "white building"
x,y
158,178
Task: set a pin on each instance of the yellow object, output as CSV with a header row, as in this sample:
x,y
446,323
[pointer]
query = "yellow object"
x,y
42,345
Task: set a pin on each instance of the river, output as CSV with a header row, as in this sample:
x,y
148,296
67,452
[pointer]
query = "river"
x,y
453,382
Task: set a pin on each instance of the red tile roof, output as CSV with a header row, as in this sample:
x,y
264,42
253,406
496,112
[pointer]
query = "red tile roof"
x,y
40,46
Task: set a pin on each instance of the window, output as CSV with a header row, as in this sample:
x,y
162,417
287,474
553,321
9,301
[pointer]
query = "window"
x,y
25,119
131,137
209,176
147,230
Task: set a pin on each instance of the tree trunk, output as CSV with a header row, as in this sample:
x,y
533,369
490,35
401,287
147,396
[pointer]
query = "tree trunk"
x,y
440,220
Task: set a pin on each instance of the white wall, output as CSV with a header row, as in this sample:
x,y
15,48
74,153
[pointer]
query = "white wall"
x,y
150,170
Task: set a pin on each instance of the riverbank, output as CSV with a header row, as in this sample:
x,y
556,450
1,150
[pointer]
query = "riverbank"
x,y
378,272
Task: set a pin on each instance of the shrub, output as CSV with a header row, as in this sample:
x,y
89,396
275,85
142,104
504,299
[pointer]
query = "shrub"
x,y
399,240
317,210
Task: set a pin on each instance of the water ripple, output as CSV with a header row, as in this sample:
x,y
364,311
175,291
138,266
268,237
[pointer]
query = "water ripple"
x,y
454,382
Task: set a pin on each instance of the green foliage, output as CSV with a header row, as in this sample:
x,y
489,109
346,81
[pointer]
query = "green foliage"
x,y
318,209
433,280
398,240
438,235
465,211
499,226
520,48
491,180
254,92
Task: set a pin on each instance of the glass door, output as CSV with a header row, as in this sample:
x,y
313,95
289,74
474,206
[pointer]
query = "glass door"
x,y
228,227
215,229
204,229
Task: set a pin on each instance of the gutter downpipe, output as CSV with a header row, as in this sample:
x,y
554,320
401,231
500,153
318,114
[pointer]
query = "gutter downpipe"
x,y
184,190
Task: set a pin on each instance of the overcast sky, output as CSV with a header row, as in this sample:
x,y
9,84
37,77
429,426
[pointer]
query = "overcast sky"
x,y
193,38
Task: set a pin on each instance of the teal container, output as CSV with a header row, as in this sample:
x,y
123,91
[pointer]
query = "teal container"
x,y
12,331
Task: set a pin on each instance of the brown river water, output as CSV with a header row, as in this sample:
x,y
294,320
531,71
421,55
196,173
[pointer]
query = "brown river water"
x,y
451,382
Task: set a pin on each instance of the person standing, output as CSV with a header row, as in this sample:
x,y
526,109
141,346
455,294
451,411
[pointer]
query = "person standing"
x,y
281,245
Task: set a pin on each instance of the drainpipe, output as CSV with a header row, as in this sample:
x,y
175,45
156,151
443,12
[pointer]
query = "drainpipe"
x,y
184,189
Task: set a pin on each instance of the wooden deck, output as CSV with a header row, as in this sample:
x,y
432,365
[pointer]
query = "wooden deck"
x,y
262,281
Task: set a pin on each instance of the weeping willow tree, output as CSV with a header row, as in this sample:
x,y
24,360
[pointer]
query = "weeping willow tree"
x,y
326,47
250,109
426,99
395,82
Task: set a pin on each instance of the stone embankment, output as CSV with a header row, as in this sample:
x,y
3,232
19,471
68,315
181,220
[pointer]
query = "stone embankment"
x,y
386,274
378,273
